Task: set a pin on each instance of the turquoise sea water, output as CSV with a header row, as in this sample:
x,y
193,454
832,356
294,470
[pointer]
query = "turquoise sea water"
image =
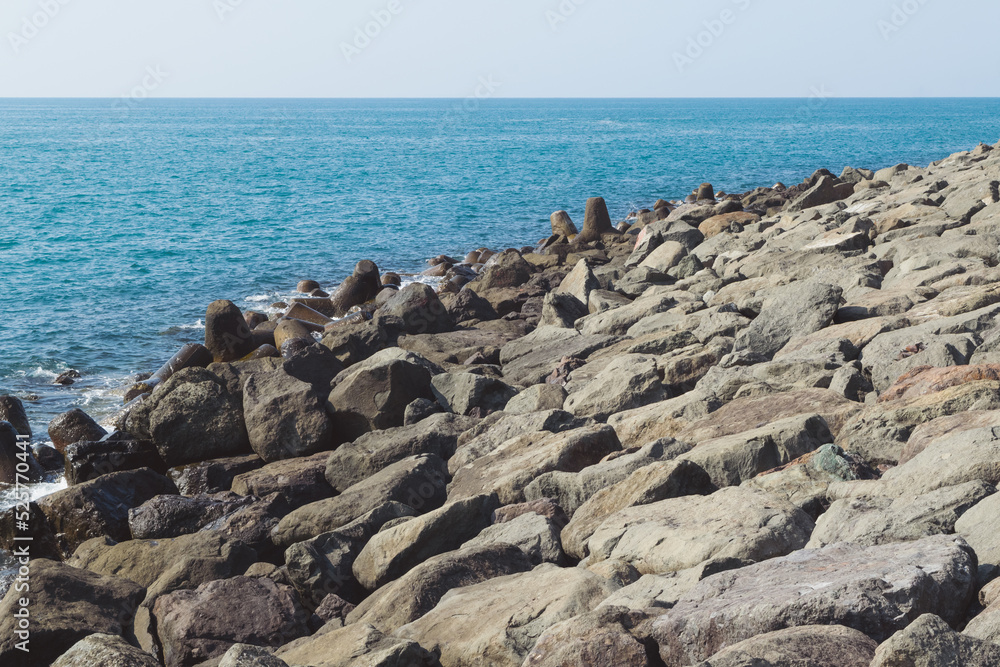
x,y
119,224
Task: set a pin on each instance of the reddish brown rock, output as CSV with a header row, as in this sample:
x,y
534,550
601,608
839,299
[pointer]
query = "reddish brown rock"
x,y
721,223
924,380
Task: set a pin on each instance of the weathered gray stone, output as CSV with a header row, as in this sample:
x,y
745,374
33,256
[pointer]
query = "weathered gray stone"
x,y
930,642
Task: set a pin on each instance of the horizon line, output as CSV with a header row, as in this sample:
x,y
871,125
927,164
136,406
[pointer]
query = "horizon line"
x,y
499,98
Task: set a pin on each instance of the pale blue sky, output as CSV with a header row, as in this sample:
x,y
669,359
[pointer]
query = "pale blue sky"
x,y
507,48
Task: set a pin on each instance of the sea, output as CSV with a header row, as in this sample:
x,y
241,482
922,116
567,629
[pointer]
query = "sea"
x,y
120,222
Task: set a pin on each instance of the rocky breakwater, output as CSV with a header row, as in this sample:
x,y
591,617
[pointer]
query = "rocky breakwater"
x,y
739,429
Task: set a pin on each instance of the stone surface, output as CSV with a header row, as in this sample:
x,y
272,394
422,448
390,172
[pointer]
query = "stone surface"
x,y
418,481
353,462
395,551
201,624
66,605
461,393
517,462
227,335
285,417
511,613
806,646
876,590
796,309
629,381
601,638
356,645
647,485
680,533
12,411
534,534
930,642
73,426
419,590
300,481
106,651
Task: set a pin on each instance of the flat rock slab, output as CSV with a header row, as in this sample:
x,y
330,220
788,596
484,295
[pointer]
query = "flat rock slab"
x,y
876,590
499,621
680,533
808,646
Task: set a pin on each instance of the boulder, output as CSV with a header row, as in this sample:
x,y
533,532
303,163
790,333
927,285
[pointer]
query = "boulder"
x,y
73,426
315,365
227,335
605,637
534,534
797,309
356,645
647,485
419,590
12,411
299,481
375,396
107,651
805,646
562,310
562,225
100,507
924,380
213,475
537,398
418,307
467,306
508,269
876,590
396,550
726,222
193,417
596,221
579,282
417,481
629,381
929,642
734,459
322,566
201,624
980,526
828,189
461,393
681,533
531,359
172,516
517,462
85,461
245,655
882,520
963,457
285,417
353,462
66,605
360,287
508,622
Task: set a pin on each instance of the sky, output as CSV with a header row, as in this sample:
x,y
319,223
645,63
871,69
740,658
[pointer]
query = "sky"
x,y
498,48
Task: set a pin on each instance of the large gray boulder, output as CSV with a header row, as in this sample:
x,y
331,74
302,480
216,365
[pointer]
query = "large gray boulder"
x,y
797,309
192,417
507,623
375,395
197,625
734,459
647,485
299,481
570,490
461,393
876,590
417,481
806,646
323,565
66,605
534,534
507,470
681,533
629,381
419,590
356,645
930,642
418,307
828,189
879,520
106,651
605,637
355,461
285,418
395,551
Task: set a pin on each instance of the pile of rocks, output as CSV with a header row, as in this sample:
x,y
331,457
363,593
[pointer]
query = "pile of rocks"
x,y
742,429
